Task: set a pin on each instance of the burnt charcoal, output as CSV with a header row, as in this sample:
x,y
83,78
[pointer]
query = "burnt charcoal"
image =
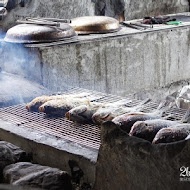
x,y
37,176
10,154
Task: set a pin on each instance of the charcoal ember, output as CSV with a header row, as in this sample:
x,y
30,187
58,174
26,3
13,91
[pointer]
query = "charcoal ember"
x,y
128,162
37,176
10,154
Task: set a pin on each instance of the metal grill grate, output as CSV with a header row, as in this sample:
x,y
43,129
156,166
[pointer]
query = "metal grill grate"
x,y
84,134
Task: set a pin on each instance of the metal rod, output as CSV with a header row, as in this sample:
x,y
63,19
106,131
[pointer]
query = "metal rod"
x,y
142,25
38,23
131,26
51,19
39,20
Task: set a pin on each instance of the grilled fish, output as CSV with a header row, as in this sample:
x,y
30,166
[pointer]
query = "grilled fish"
x,y
126,121
109,113
172,134
37,102
84,113
149,128
59,107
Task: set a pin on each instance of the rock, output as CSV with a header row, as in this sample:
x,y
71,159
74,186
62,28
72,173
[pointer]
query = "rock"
x,y
37,176
127,162
183,99
10,187
10,154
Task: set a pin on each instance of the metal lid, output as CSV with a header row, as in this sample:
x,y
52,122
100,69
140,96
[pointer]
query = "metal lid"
x,y
32,33
95,24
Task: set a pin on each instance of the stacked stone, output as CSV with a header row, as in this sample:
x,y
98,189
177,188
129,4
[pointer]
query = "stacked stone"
x,y
15,169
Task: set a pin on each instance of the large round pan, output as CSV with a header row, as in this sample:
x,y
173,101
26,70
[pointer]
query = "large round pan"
x,y
94,24
32,33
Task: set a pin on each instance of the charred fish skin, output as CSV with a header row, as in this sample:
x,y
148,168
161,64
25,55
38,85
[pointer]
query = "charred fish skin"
x,y
148,129
83,114
172,134
61,107
109,113
34,105
126,121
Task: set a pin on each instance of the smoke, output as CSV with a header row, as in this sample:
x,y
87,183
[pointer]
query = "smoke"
x,y
20,78
15,89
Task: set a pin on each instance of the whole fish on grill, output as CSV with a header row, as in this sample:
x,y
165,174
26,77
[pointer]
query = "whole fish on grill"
x,y
126,121
172,134
84,113
149,128
109,113
59,107
38,101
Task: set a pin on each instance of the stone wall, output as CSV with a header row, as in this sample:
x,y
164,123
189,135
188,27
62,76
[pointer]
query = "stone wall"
x,y
131,163
66,9
134,63
74,8
141,8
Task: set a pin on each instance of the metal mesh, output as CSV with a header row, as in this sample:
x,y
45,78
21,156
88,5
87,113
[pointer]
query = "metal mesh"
x,y
83,134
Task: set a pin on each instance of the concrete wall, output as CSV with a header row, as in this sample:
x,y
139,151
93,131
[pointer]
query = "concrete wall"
x,y
134,63
142,8
48,8
76,8
137,63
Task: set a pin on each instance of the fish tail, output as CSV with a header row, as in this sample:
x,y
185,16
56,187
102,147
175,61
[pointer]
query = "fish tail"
x,y
94,98
186,117
142,103
169,116
164,106
88,102
122,102
145,101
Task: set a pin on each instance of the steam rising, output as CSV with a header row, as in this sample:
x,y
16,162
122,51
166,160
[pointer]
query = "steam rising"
x,y
18,63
